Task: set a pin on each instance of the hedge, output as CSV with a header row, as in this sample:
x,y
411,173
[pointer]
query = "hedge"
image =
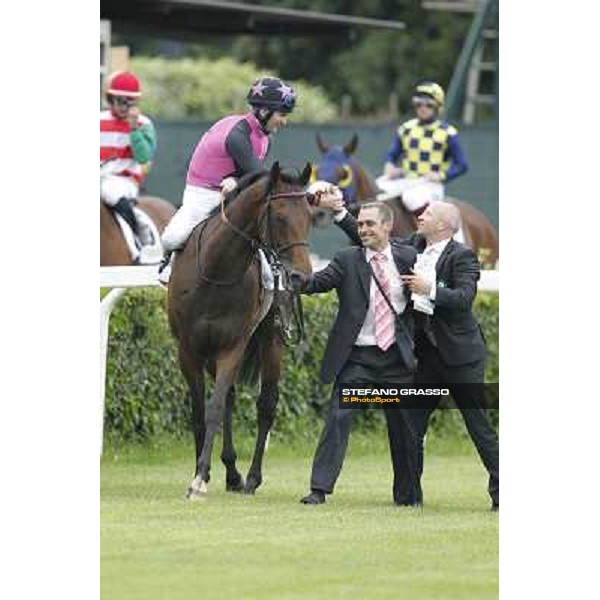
x,y
146,394
209,89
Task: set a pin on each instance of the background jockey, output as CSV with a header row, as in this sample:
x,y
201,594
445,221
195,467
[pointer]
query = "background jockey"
x,y
127,146
425,154
232,147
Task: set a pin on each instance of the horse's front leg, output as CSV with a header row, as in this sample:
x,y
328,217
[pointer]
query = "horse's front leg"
x,y
234,481
271,351
227,367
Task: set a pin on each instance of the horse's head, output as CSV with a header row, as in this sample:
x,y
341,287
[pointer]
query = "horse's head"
x,y
337,166
288,217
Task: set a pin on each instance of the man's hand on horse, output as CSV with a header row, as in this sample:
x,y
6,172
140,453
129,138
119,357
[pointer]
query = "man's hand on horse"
x,y
228,185
328,195
392,171
435,177
417,284
334,202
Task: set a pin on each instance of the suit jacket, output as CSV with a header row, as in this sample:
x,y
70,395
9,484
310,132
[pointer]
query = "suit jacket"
x,y
457,333
349,274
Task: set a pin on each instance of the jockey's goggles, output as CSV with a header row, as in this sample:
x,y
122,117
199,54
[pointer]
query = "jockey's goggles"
x,y
420,101
124,100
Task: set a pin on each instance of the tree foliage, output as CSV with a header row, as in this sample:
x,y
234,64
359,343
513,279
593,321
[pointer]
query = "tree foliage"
x,y
368,67
374,64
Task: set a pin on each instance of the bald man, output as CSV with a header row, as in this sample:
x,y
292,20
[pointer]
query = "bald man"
x,y
449,343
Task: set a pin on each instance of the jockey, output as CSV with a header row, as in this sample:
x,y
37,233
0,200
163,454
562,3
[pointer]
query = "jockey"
x,y
232,147
425,154
127,146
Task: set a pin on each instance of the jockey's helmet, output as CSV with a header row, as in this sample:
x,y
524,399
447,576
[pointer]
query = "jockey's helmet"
x,y
272,93
124,83
431,90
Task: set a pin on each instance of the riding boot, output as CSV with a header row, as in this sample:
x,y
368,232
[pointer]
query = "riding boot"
x,y
124,207
164,268
166,259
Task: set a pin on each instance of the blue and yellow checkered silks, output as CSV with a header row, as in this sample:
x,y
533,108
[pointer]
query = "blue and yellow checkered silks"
x,y
425,147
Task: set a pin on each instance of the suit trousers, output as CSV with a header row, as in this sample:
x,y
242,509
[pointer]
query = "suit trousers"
x,y
369,365
471,403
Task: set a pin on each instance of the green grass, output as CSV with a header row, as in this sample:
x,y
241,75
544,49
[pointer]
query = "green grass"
x,y
156,545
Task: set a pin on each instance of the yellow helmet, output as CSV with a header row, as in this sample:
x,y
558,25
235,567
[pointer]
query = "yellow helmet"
x,y
433,90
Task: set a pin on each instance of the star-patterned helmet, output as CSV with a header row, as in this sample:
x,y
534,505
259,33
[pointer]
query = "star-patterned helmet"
x,y
273,93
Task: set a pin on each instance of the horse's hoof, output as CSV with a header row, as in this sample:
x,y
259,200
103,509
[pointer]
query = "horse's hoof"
x,y
251,486
197,490
236,485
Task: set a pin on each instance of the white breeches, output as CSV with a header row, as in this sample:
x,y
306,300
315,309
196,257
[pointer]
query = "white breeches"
x,y
115,187
416,192
196,206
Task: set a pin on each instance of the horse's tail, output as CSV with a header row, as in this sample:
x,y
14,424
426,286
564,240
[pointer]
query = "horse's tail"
x,y
250,368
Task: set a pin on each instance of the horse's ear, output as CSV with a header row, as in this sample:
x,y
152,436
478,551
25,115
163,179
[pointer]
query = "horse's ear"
x,y
305,175
350,147
274,175
321,145
275,171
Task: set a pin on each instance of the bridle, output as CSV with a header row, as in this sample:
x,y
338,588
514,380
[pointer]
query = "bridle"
x,y
265,242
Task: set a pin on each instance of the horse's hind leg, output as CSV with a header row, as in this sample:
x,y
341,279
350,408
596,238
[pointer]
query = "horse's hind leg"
x,y
233,479
271,350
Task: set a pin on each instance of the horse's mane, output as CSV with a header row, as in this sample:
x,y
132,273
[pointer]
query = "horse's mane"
x,y
249,179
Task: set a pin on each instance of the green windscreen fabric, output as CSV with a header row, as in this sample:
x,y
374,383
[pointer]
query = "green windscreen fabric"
x,y
295,145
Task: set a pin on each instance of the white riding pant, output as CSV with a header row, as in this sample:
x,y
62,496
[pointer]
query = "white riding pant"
x,y
115,187
197,204
416,192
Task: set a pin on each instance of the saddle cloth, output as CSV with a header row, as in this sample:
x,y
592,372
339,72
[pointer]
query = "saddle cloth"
x,y
143,255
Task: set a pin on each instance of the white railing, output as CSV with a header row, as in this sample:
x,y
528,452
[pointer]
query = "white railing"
x,y
121,278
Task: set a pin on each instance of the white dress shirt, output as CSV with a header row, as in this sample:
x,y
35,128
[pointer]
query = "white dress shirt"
x,y
366,336
425,267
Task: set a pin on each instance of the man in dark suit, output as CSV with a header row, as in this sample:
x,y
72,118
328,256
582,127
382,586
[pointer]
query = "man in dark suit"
x,y
367,346
449,342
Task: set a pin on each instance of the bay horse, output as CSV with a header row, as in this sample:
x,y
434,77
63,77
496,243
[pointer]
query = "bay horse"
x,y
113,248
225,323
339,166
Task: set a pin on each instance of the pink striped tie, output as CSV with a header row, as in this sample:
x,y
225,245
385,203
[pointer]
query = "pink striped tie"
x,y
385,331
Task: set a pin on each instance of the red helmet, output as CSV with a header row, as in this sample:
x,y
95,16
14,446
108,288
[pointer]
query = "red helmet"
x,y
124,83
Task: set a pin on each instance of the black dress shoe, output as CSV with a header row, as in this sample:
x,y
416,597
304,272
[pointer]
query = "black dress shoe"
x,y
495,508
413,504
315,497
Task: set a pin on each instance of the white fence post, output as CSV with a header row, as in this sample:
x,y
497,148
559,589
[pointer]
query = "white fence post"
x,y
106,305
489,282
